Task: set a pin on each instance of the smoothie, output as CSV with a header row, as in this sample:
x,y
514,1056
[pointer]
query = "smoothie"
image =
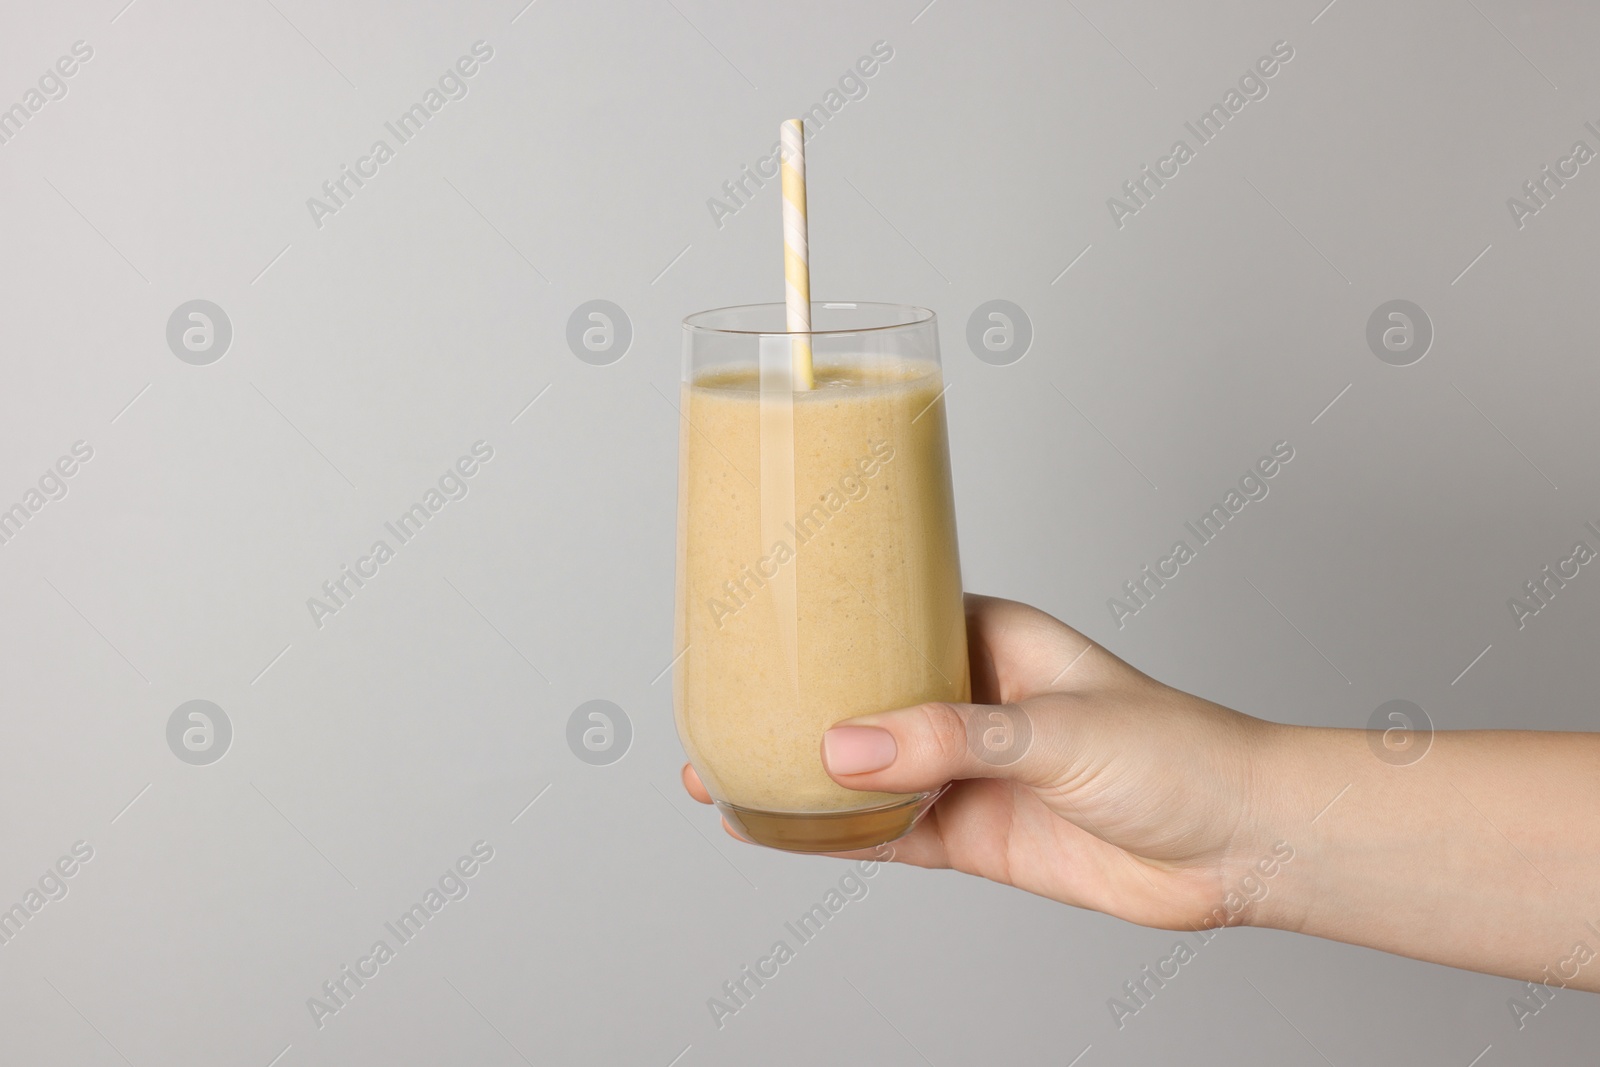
x,y
818,580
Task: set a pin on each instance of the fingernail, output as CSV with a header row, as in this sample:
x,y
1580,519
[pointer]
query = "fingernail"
x,y
857,749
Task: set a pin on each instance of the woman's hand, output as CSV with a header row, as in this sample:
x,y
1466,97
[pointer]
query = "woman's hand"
x,y
1091,783
1079,778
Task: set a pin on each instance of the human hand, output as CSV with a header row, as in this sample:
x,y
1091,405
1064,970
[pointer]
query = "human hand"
x,y
1129,797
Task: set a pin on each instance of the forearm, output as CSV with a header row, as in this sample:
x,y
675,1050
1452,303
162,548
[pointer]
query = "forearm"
x,y
1483,854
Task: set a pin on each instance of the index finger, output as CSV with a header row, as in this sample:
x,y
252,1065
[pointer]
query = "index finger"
x,y
1017,651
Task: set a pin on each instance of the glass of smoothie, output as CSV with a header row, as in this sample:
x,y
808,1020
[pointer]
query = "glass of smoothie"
x,y
817,572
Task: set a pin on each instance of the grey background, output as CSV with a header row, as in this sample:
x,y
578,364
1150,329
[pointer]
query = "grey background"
x,y
370,353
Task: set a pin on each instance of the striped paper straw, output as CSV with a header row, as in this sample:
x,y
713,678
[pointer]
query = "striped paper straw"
x,y
796,254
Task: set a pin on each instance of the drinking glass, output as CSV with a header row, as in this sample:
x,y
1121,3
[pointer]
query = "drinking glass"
x,y
817,571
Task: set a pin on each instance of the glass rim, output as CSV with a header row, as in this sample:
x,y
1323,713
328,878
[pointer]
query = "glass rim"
x,y
917,316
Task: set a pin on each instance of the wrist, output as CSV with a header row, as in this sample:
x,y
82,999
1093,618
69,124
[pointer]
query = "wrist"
x,y
1248,775
1278,839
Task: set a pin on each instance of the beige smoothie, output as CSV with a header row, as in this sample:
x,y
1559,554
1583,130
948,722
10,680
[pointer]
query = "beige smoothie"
x,y
793,618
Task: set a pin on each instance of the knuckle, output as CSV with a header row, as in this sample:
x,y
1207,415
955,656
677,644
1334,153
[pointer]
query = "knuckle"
x,y
946,732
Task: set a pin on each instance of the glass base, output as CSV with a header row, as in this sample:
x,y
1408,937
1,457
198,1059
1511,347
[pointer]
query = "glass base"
x,y
828,831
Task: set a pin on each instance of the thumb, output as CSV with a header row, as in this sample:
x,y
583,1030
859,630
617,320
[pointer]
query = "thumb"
x,y
923,747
